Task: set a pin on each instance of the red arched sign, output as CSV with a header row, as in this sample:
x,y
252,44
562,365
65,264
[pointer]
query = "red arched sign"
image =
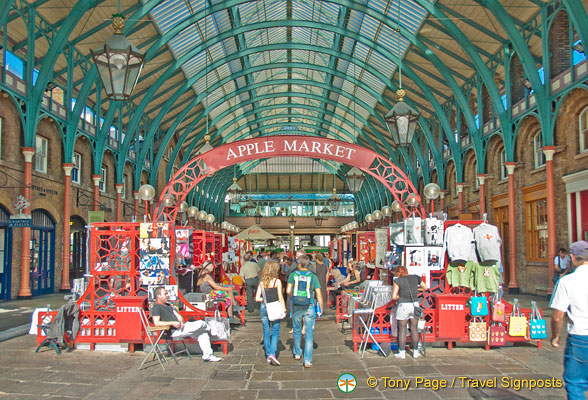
x,y
288,146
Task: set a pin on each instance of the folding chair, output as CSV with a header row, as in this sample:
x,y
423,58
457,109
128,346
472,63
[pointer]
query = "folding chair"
x,y
379,297
49,342
154,335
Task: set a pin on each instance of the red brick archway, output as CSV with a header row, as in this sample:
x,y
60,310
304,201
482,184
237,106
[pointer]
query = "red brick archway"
x,y
229,154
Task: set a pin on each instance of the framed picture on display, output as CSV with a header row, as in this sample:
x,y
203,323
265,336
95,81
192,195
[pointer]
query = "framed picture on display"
x,y
434,258
413,232
414,256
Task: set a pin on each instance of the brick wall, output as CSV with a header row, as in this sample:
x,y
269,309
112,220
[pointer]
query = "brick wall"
x,y
559,44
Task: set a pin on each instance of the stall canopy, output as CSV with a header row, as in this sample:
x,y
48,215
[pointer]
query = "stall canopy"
x,y
254,232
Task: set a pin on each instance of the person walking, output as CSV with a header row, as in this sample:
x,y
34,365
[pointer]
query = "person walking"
x,y
570,298
250,274
405,292
271,285
303,286
561,265
321,272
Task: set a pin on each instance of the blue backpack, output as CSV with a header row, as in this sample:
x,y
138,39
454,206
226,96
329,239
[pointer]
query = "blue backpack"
x,y
302,293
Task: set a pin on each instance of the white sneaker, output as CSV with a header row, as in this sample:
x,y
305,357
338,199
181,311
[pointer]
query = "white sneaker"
x,y
212,358
273,360
401,355
416,353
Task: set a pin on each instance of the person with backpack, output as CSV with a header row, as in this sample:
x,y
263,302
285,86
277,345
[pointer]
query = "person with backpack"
x,y
303,287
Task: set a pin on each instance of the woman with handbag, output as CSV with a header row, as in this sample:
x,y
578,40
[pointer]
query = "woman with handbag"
x,y
273,308
405,292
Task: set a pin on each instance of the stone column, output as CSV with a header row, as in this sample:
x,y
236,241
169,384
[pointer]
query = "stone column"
x,y
482,180
459,188
136,204
96,179
65,286
25,256
119,188
513,285
442,200
551,234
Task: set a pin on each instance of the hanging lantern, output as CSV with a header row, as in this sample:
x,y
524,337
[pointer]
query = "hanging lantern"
x,y
257,217
354,179
334,200
318,220
118,62
234,191
325,212
249,207
402,121
292,222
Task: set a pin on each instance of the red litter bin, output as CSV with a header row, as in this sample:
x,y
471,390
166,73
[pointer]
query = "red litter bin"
x,y
128,321
451,309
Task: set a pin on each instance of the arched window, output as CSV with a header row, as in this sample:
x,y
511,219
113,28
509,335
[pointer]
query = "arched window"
x,y
538,155
503,170
583,130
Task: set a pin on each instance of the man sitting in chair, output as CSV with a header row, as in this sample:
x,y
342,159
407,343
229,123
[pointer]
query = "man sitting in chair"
x,y
164,314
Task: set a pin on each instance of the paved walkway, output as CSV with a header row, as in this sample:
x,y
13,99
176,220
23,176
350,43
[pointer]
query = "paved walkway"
x,y
244,373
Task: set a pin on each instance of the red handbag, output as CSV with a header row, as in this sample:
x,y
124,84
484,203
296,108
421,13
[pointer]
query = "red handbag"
x,y
496,336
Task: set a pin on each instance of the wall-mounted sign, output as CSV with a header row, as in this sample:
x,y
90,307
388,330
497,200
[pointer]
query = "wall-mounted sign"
x,y
95,216
20,221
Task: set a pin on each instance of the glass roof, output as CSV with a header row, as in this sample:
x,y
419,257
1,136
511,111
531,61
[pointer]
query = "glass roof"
x,y
289,41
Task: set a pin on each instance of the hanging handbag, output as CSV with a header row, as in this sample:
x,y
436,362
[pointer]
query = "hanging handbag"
x,y
497,336
497,309
517,324
219,326
275,310
419,311
477,331
537,325
479,306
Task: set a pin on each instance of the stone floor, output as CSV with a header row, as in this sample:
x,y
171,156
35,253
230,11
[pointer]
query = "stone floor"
x,y
244,373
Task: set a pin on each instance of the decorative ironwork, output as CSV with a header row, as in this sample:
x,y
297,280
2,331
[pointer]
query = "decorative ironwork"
x,y
387,173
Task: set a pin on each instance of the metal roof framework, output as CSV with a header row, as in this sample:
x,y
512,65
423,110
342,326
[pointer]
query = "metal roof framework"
x,y
239,69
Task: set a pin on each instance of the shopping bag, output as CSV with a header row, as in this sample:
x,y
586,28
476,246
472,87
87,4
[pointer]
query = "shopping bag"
x,y
479,306
497,336
537,325
477,331
275,310
497,310
517,324
219,326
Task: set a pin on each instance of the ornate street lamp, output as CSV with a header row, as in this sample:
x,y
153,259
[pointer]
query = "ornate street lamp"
x,y
146,193
118,62
234,191
431,192
354,179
